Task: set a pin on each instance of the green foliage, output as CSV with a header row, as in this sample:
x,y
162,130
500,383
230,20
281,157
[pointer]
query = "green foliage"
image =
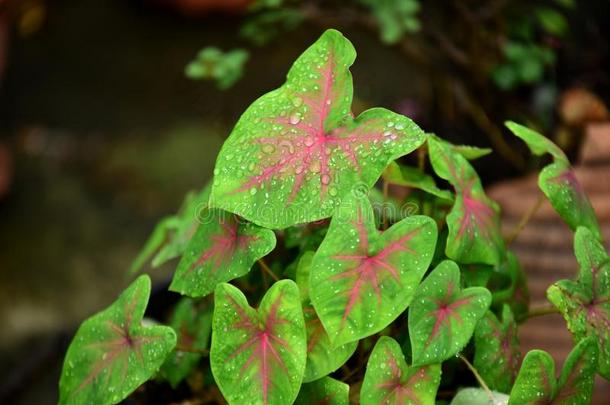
x,y
558,181
442,317
348,269
225,68
112,353
536,381
395,18
525,63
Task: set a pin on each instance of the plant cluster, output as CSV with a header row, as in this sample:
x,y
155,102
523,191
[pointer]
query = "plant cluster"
x,y
362,296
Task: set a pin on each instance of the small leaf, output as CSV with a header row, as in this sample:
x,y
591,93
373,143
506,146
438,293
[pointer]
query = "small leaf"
x,y
155,241
322,357
361,279
585,303
297,150
225,68
474,223
112,353
325,391
516,294
478,396
471,152
193,326
497,356
223,248
414,178
258,356
442,317
389,380
536,382
558,182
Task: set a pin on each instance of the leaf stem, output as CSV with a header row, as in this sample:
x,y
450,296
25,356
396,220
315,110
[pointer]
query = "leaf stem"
x,y
267,270
186,349
477,376
541,310
525,219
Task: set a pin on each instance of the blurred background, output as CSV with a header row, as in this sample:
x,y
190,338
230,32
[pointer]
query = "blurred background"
x,y
111,111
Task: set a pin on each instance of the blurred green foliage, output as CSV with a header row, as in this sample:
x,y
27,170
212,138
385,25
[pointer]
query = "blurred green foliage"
x,y
225,68
395,18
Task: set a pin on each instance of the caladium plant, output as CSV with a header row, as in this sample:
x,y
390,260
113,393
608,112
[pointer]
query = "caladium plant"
x,y
360,293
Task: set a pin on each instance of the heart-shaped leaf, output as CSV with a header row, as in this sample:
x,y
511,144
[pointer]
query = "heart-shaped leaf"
x,y
389,380
258,357
193,325
442,316
112,353
412,177
536,382
497,356
558,182
585,303
223,248
325,391
322,357
362,279
297,150
473,223
170,237
478,396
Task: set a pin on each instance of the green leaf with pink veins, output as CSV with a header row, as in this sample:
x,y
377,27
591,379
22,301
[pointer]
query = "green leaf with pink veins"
x,y
362,279
298,150
112,353
558,181
389,380
258,356
474,221
224,248
442,317
536,382
322,357
585,303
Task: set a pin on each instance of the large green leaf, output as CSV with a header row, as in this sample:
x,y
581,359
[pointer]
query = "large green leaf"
x,y
322,357
362,279
585,303
258,356
389,380
171,235
558,182
297,150
473,223
325,391
112,353
442,316
536,383
497,356
193,325
223,248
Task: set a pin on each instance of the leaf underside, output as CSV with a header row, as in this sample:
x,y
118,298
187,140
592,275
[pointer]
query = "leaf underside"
x,y
258,356
473,222
362,279
389,380
297,150
442,316
112,353
223,248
